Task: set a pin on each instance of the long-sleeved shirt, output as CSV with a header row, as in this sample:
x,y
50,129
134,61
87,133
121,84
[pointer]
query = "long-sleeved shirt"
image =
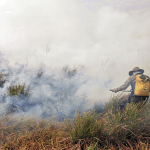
x,y
130,81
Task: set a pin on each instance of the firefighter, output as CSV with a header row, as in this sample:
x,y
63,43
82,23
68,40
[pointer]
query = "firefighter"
x,y
134,96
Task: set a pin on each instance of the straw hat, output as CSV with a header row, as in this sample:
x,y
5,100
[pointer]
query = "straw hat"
x,y
136,69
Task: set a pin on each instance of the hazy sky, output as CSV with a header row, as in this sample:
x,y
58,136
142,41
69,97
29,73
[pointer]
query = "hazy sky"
x,y
107,37
125,5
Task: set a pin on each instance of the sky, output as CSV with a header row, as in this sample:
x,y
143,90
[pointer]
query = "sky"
x,y
102,39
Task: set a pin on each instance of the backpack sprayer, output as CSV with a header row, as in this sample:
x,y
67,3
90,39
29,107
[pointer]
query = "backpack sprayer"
x,y
142,87
131,91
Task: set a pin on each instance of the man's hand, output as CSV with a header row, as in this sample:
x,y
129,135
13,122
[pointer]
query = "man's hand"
x,y
114,90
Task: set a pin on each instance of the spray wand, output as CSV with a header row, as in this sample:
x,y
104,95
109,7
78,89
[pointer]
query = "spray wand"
x,y
124,90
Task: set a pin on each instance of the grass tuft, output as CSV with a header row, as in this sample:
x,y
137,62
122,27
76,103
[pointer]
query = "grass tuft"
x,y
85,125
16,90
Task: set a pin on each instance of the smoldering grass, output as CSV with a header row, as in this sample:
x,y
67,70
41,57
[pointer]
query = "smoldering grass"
x,y
87,130
110,129
113,103
18,89
2,80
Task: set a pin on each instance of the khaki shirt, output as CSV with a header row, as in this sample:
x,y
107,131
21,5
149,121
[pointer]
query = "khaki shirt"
x,y
130,81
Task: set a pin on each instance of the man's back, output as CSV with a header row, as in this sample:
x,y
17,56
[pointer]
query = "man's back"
x,y
132,80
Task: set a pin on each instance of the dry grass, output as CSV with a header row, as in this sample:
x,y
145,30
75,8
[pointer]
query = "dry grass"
x,y
33,134
111,129
86,131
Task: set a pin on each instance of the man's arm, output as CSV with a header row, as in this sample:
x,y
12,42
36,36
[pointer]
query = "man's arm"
x,y
125,85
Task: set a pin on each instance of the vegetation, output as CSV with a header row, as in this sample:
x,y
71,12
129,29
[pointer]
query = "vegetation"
x,y
18,89
111,129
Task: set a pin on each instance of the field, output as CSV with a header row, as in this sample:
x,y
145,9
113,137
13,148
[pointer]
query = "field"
x,y
111,129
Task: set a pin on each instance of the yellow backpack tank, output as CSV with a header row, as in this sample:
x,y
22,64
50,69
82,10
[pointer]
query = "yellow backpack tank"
x,y
142,85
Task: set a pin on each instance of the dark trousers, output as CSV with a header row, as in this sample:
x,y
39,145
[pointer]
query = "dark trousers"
x,y
131,98
137,99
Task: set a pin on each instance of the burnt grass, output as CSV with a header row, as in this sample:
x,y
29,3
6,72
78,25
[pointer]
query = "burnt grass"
x,y
105,128
29,133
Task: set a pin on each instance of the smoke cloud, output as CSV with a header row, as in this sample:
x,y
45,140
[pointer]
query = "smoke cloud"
x,y
101,40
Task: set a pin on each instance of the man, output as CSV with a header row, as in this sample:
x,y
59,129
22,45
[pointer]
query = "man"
x,y
131,81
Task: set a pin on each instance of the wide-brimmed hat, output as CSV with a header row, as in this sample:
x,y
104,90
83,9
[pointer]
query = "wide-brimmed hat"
x,y
136,69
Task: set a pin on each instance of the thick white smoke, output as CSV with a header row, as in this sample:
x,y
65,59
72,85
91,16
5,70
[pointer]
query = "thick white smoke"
x,y
103,41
